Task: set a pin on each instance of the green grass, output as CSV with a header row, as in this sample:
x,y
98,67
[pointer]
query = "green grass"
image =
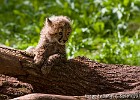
x,y
103,30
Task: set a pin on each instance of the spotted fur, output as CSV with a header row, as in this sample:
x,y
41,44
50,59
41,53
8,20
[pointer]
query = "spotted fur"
x,y
53,37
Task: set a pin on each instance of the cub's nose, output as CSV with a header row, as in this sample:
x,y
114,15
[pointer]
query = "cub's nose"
x,y
64,41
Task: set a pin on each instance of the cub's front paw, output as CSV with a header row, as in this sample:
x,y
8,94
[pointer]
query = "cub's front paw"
x,y
54,58
38,61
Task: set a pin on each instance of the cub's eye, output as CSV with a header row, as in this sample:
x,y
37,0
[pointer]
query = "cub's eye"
x,y
68,33
60,33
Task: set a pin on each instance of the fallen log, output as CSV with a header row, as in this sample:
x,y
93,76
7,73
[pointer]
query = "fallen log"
x,y
113,96
74,77
38,96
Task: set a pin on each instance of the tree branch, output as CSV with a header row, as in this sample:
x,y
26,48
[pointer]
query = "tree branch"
x,y
78,76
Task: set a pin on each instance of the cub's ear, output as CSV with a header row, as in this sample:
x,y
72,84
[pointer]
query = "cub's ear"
x,y
68,18
48,21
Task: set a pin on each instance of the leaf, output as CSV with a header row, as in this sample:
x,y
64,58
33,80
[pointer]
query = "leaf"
x,y
126,2
99,27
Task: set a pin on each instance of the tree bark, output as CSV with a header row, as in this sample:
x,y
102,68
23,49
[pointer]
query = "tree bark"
x,y
38,96
75,77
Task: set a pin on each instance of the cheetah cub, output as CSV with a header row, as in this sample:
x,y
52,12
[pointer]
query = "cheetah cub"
x,y
51,46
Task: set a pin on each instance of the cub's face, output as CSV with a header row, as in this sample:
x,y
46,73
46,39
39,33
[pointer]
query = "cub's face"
x,y
59,29
62,34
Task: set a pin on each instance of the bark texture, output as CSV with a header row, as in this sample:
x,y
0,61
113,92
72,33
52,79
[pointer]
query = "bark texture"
x,y
74,77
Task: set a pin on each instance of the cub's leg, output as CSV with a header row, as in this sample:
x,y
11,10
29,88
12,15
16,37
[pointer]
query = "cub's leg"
x,y
50,62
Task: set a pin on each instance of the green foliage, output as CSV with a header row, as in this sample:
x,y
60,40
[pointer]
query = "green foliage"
x,y
104,30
